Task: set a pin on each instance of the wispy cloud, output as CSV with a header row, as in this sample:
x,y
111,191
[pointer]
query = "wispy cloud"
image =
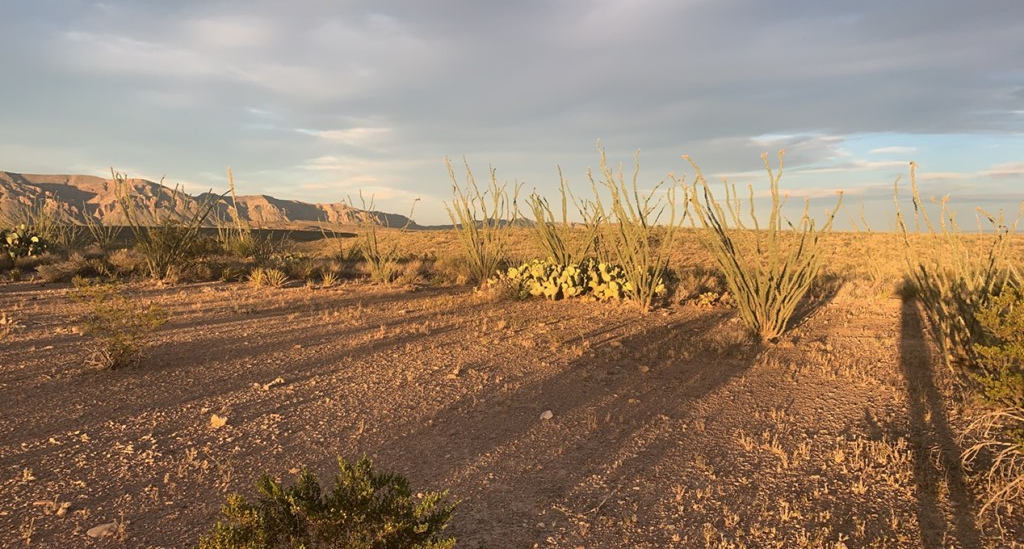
x,y
893,150
352,136
1008,169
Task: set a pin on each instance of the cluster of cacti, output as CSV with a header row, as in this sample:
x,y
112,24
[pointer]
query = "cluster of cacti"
x,y
547,278
22,241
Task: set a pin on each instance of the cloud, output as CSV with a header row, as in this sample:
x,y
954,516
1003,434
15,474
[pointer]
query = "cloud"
x,y
359,137
893,150
87,51
1008,169
229,32
376,93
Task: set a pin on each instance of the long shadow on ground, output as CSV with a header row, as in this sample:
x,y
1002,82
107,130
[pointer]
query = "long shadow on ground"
x,y
935,448
510,467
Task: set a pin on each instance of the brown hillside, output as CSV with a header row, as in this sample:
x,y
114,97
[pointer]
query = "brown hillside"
x,y
79,196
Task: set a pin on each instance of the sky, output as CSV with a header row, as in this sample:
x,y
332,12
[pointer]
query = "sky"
x,y
316,100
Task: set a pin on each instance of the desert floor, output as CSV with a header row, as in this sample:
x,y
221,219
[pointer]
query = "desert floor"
x,y
669,429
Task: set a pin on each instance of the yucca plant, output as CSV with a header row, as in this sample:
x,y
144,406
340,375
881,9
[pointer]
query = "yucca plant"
x,y
769,281
167,235
483,221
264,276
329,278
638,230
960,278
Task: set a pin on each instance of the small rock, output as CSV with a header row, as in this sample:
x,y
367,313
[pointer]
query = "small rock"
x,y
103,530
548,414
644,369
216,422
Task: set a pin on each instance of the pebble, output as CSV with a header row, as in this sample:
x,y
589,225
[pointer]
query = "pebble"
x,y
103,530
548,414
216,422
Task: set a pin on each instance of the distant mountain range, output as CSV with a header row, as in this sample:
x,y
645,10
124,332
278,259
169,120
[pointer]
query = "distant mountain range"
x,y
76,197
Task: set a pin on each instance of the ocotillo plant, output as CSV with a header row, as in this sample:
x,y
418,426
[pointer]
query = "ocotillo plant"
x,y
768,284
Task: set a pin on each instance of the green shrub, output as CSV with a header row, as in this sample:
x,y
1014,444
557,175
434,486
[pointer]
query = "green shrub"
x,y
769,281
364,510
22,241
1002,361
119,326
634,235
483,222
999,428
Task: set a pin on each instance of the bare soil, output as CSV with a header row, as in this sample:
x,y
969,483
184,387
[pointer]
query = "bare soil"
x,y
669,429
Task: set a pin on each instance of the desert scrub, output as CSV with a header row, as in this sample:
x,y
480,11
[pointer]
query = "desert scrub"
x,y
166,234
638,231
119,326
364,510
382,256
556,235
483,222
239,239
960,275
45,219
769,281
76,265
999,428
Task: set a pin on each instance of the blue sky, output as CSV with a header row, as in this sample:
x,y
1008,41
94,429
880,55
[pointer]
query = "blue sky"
x,y
316,100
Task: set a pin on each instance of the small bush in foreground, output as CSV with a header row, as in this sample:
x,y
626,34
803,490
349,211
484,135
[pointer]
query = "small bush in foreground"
x,y
768,284
119,326
999,429
364,510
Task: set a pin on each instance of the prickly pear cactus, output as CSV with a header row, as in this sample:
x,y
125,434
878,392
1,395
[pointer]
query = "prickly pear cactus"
x,y
588,278
21,241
